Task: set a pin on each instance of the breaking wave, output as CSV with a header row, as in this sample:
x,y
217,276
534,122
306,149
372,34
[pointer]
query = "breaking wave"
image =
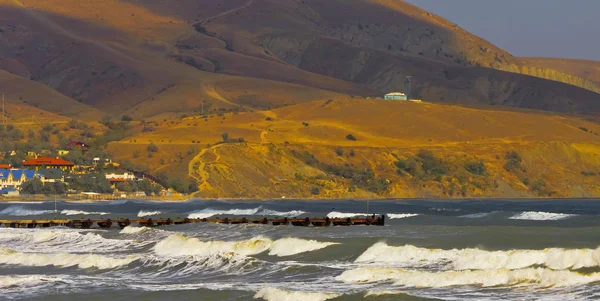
x,y
64,240
80,212
476,215
208,212
488,278
134,230
179,245
471,259
28,281
400,215
144,213
82,261
336,214
22,211
541,216
275,294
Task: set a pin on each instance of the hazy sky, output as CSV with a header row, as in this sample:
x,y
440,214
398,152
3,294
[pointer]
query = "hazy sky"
x,y
546,28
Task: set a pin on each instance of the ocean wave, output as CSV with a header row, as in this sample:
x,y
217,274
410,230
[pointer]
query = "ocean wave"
x,y
335,214
64,240
292,246
134,230
477,215
179,245
81,212
7,282
275,294
400,215
22,211
541,216
144,213
541,277
83,261
259,211
477,259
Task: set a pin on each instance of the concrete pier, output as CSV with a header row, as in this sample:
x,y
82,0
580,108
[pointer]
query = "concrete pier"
x,y
122,223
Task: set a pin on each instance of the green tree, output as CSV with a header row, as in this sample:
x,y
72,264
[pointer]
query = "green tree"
x,y
33,186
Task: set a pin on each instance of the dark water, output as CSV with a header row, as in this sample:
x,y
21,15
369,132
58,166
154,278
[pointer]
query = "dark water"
x,y
469,250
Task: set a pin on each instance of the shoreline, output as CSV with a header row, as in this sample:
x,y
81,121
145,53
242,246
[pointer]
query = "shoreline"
x,y
182,199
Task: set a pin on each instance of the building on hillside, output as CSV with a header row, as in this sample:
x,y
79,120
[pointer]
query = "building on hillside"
x,y
63,152
13,178
395,96
48,163
114,178
9,192
73,145
6,166
52,174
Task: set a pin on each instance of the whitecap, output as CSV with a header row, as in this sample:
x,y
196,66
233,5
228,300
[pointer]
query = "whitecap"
x,y
541,216
336,214
472,259
81,212
82,261
400,215
179,245
540,277
22,211
275,294
144,213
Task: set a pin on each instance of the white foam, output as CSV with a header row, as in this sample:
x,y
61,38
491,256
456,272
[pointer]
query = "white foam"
x,y
476,215
259,211
22,211
144,213
292,246
292,213
336,214
208,212
401,215
275,294
470,259
27,281
179,245
541,216
64,240
82,261
81,212
134,230
540,277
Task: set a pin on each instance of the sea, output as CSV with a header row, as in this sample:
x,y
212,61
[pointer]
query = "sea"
x,y
428,250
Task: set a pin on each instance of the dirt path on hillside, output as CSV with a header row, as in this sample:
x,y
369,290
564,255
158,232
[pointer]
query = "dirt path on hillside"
x,y
225,13
200,174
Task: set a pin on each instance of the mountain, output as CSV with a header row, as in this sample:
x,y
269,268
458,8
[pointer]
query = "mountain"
x,y
146,57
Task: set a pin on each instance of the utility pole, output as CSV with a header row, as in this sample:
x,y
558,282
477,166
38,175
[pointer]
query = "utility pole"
x,y
202,98
407,86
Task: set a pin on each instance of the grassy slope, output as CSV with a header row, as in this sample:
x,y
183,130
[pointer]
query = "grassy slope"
x,y
554,149
581,68
18,90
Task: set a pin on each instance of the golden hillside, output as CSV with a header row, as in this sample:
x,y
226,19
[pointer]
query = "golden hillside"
x,y
148,58
296,150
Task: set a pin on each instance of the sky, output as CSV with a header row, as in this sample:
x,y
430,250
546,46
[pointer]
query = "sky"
x,y
539,28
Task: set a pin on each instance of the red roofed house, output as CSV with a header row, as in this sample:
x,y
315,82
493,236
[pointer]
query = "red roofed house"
x,y
77,145
48,163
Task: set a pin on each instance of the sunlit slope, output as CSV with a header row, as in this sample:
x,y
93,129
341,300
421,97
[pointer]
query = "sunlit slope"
x,y
581,68
275,158
20,91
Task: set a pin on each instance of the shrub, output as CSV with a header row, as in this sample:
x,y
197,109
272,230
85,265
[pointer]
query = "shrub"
x,y
126,118
339,151
475,167
584,129
351,153
351,137
269,119
152,148
315,190
513,161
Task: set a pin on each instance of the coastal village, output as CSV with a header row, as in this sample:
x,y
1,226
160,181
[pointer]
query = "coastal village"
x,y
43,174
